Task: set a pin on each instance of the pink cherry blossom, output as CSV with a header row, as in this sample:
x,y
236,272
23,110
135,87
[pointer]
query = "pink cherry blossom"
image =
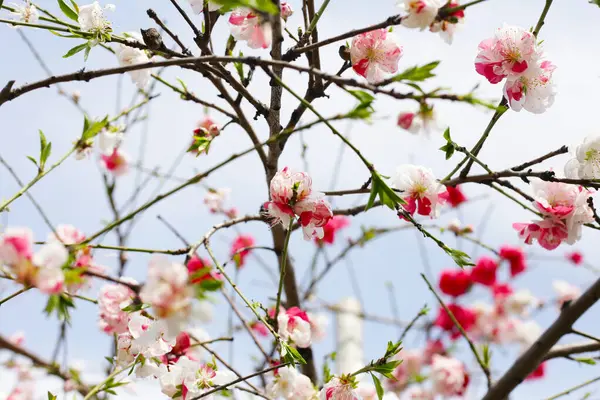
x,y
375,54
111,301
115,162
339,389
533,91
448,26
237,249
330,229
249,27
511,52
421,13
286,10
167,289
419,188
314,213
318,325
289,384
16,245
424,120
448,376
67,235
295,326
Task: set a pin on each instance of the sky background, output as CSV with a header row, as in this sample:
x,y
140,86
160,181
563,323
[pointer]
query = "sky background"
x,y
74,193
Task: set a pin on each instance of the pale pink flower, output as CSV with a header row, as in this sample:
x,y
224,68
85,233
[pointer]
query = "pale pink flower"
x,y
289,384
421,13
149,338
419,189
447,375
511,52
294,325
128,56
215,199
67,235
116,162
249,27
288,183
585,163
412,363
424,120
286,10
534,90
520,302
339,389
16,245
111,301
26,13
17,338
565,292
375,54
206,378
447,27
167,288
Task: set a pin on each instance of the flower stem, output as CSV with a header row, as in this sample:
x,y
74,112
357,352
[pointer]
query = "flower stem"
x,y
99,386
15,294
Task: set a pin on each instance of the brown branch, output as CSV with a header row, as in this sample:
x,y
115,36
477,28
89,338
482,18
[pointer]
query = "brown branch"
x,y
561,150
152,14
570,349
529,360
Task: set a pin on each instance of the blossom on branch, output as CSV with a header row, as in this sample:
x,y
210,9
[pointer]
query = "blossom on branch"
x,y
289,384
424,120
27,12
421,13
291,196
91,19
420,189
375,54
128,56
294,325
585,163
448,376
449,25
565,210
240,249
249,27
340,388
112,299
455,282
330,229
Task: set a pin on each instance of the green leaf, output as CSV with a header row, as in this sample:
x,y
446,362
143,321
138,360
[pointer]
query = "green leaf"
x,y
596,2
87,52
68,11
211,285
200,145
51,396
266,6
290,354
45,154
450,146
378,386
92,128
387,196
362,96
417,73
76,50
33,160
75,6
135,307
589,361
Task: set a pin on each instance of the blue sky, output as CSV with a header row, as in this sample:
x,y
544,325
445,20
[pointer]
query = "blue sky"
x,y
74,192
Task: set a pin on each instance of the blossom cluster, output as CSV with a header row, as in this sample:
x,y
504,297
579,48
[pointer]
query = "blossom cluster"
x,y
564,210
423,14
291,196
513,53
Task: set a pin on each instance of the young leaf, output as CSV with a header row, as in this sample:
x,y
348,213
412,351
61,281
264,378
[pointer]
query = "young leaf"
x,y
68,11
75,6
75,50
378,386
416,73
91,129
51,396
266,6
87,52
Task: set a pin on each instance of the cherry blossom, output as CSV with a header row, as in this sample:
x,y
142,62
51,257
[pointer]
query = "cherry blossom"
x,y
520,302
511,52
421,13
127,56
294,325
199,270
208,127
91,19
375,54
67,235
26,12
286,10
448,376
538,373
205,378
454,196
143,337
412,363
484,271
291,195
448,26
465,317
565,210
239,255
215,199
575,257
533,91
423,120
289,384
341,388
516,258
565,292
167,290
338,222
112,299
585,163
419,189
455,282
249,27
